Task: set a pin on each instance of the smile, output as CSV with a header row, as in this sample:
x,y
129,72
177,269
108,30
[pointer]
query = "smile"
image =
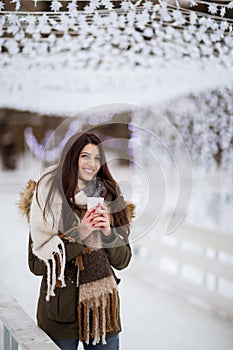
x,y
89,171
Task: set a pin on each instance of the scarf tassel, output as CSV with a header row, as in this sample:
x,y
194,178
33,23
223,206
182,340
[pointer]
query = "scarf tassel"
x,y
97,317
55,271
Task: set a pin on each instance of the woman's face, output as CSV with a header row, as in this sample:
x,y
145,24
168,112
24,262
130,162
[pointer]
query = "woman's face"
x,y
89,162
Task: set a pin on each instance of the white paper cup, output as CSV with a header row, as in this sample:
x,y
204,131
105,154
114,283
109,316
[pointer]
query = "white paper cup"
x,y
93,201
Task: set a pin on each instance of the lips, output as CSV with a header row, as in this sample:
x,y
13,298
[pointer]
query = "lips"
x,y
88,171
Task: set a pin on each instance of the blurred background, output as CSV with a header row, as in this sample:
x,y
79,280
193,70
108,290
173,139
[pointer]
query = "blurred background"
x,y
154,81
180,279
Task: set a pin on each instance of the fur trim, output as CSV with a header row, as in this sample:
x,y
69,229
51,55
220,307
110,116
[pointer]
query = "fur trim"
x,y
25,199
130,211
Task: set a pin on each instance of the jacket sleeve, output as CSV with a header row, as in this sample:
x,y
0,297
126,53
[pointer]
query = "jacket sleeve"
x,y
38,267
118,251
73,249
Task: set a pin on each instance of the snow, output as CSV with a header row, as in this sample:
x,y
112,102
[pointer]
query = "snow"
x,y
67,91
153,316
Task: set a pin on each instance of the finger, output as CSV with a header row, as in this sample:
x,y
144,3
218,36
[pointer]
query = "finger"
x,y
102,207
100,225
98,220
87,220
96,211
102,216
89,213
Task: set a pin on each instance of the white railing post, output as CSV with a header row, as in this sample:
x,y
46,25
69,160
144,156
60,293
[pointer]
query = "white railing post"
x,y
19,329
204,280
9,342
216,277
6,339
14,344
192,255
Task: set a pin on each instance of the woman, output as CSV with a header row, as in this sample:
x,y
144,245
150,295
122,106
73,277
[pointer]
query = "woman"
x,y
75,247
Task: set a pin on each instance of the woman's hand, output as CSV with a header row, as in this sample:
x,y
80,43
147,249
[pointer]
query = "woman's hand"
x,y
100,219
95,219
85,226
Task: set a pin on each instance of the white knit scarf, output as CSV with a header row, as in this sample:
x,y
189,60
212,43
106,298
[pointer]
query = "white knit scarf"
x,y
44,231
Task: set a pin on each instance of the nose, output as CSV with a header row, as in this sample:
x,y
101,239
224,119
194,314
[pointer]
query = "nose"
x,y
91,162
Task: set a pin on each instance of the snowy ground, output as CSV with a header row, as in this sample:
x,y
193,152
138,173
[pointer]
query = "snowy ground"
x,y
152,318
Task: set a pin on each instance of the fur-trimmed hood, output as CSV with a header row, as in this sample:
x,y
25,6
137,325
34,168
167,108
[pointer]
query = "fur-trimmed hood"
x,y
25,199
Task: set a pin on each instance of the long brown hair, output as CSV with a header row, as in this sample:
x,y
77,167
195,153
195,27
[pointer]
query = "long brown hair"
x,y
65,180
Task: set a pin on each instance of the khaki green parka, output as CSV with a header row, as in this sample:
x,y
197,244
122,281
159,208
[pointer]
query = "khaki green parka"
x,y
58,316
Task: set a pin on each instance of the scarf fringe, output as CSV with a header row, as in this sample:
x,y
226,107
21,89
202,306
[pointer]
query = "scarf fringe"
x,y
98,316
57,263
53,282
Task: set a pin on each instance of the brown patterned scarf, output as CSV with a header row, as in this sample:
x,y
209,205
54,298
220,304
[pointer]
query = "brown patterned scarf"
x,y
98,297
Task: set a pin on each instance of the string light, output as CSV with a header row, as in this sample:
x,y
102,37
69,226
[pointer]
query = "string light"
x,y
87,36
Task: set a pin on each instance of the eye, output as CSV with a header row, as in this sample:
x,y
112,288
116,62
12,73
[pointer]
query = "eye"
x,y
97,159
85,156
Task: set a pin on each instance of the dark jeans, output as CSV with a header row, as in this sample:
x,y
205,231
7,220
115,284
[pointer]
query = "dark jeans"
x,y
72,344
67,343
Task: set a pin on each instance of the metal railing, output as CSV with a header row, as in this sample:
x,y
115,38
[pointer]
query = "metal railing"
x,y
155,248
18,328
